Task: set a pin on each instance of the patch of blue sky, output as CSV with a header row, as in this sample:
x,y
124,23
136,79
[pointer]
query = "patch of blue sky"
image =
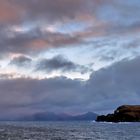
x,y
129,2
108,13
76,54
72,27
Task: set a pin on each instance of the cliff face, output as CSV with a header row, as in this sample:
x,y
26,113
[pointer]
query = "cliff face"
x,y
125,113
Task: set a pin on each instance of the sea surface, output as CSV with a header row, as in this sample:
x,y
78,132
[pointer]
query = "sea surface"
x,y
69,131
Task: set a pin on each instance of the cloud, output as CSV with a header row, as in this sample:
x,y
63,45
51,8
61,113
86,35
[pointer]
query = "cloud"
x,y
22,66
20,61
47,10
36,94
38,15
117,84
37,40
60,10
60,63
105,90
34,40
107,23
10,11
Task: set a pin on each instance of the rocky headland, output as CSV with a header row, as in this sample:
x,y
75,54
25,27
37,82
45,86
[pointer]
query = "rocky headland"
x,y
124,113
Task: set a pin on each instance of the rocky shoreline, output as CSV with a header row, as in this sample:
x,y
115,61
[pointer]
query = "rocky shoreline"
x,y
124,113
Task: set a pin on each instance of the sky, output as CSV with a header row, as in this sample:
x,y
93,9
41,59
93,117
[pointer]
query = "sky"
x,y
69,56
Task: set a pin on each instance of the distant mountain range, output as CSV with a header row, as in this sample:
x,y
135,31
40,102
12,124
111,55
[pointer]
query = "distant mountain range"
x,y
49,116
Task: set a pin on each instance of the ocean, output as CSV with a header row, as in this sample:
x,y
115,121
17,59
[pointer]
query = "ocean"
x,y
69,131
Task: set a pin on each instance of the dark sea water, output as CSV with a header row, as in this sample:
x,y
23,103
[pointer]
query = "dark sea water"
x,y
69,131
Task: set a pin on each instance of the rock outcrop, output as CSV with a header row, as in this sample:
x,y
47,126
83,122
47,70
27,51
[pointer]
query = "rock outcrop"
x,y
125,113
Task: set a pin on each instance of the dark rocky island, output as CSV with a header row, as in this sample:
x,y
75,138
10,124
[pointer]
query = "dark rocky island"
x,y
124,113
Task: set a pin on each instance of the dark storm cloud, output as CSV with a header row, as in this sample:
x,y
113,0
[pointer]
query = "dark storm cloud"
x,y
34,40
105,90
33,93
59,63
20,61
117,84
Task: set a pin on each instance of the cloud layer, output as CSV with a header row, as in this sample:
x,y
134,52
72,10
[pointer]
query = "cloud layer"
x,y
37,25
60,63
105,90
71,39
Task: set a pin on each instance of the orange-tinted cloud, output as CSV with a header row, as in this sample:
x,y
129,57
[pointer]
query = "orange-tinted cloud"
x,y
37,44
39,12
9,11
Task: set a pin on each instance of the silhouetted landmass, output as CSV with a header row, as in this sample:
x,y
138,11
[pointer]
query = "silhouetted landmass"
x,y
125,113
49,116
